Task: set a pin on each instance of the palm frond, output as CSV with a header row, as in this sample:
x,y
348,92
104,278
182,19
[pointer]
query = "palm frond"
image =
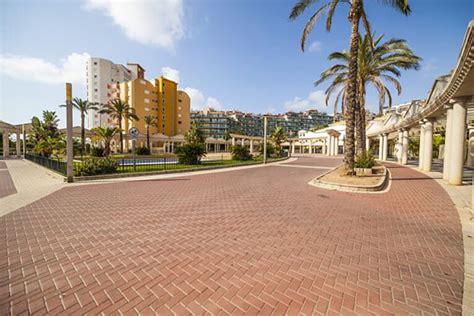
x,y
311,23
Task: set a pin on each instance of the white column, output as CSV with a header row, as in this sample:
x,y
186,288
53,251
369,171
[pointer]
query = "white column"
x,y
447,141
422,147
172,147
324,147
367,144
380,146
329,145
310,146
399,146
18,145
293,148
6,148
251,146
336,146
233,141
385,146
333,141
456,148
405,143
470,147
428,145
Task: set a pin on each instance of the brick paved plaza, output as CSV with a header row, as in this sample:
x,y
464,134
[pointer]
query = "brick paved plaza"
x,y
258,240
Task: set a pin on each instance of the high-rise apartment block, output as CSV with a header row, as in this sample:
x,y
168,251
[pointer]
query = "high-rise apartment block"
x,y
159,98
100,73
219,124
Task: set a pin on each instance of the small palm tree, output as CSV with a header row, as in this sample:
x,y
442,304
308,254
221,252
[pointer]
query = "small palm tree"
x,y
356,13
149,121
278,137
379,64
106,134
83,106
120,110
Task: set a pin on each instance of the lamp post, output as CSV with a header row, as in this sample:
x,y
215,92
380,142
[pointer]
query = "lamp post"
x,y
69,142
264,139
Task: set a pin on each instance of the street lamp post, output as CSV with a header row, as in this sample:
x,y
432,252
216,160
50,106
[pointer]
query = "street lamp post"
x,y
69,141
264,139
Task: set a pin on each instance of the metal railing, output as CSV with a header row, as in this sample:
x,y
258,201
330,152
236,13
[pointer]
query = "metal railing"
x,y
50,163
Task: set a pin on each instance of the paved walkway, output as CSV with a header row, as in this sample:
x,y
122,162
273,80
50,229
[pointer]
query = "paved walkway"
x,y
7,186
463,198
30,181
245,241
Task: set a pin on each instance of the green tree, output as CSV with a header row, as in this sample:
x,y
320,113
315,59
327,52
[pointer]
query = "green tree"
x,y
195,135
356,13
278,137
83,106
105,135
194,148
379,63
149,122
119,110
43,133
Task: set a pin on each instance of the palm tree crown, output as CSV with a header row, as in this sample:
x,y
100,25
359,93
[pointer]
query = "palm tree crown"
x,y
378,64
119,110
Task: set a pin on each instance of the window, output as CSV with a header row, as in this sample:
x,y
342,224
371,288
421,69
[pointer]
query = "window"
x,y
147,100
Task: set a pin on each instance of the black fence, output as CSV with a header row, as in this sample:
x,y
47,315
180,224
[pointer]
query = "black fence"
x,y
50,163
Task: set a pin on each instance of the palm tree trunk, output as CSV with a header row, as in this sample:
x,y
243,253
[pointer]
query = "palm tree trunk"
x,y
83,133
360,121
148,137
350,113
121,136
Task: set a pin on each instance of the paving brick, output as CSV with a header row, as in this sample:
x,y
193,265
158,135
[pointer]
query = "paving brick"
x,y
239,242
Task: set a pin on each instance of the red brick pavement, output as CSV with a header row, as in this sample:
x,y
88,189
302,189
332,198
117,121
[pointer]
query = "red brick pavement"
x,y
7,186
248,241
320,161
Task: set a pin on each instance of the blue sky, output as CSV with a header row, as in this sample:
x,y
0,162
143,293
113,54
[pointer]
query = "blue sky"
x,y
236,54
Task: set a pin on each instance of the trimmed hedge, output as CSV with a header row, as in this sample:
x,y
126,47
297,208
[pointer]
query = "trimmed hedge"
x,y
96,166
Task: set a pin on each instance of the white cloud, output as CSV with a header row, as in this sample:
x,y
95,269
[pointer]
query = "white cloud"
x,y
70,69
315,100
170,73
314,46
198,101
149,22
213,103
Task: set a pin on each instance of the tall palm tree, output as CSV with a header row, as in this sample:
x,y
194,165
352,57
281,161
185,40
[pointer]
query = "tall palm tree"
x,y
149,121
378,64
106,134
356,13
83,106
119,110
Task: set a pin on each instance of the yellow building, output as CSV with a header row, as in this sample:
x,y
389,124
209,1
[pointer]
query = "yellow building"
x,y
160,99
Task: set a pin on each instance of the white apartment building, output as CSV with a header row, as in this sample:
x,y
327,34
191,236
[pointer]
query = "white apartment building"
x,y
101,74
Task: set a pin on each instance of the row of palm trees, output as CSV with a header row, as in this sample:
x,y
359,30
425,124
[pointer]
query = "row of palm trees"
x,y
118,110
368,61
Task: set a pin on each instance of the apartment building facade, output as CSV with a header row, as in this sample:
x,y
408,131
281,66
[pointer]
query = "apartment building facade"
x,y
159,98
219,124
100,74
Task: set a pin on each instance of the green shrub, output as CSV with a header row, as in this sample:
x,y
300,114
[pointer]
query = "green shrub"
x,y
364,160
97,152
241,153
142,151
96,166
190,154
271,150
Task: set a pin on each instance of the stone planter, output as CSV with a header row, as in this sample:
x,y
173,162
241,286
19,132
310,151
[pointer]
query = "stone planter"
x,y
363,171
